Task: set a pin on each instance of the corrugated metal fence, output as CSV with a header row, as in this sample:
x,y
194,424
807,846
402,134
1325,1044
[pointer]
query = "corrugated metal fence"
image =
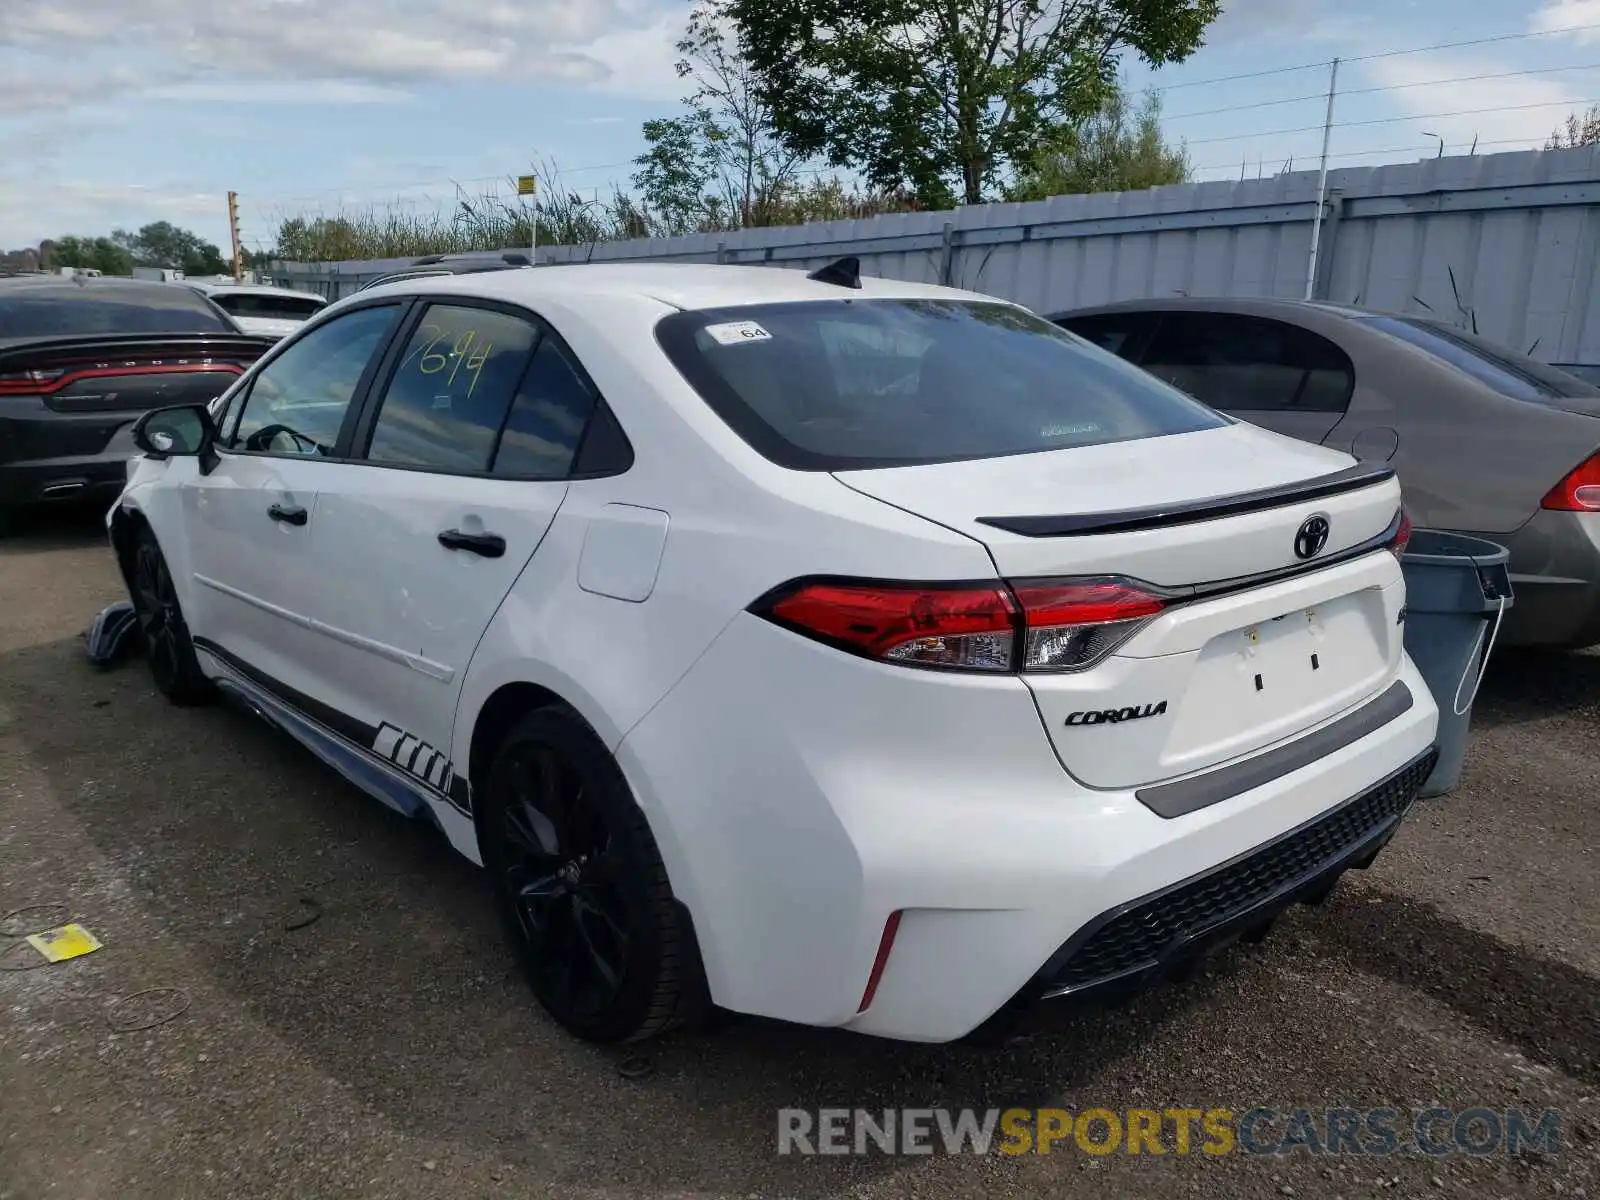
x,y
1508,241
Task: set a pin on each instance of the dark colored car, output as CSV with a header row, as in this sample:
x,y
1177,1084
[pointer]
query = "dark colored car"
x,y
81,358
1486,441
1588,372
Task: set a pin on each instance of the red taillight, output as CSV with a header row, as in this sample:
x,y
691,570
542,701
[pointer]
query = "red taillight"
x,y
48,382
1052,625
29,383
1402,535
1074,624
970,628
1579,491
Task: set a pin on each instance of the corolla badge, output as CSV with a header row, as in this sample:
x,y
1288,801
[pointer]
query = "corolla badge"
x,y
1113,716
1311,537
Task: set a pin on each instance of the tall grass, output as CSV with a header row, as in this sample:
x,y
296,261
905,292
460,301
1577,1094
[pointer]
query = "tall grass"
x,y
496,218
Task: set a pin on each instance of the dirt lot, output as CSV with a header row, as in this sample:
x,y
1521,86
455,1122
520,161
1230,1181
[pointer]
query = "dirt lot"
x,y
386,1049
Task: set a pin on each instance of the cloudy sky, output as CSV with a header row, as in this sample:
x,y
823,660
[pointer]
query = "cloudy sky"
x,y
116,112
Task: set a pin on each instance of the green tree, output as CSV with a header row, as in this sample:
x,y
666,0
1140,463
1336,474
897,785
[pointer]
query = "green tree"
x,y
99,253
163,244
1119,149
949,98
1578,131
721,165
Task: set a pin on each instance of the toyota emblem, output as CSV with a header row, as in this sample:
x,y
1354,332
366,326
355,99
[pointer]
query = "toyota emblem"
x,y
1311,537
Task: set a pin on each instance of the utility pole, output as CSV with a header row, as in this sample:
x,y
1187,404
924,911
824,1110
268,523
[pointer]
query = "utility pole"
x,y
1322,180
238,246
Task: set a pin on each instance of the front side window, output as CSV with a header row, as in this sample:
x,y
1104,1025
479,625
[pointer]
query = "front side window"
x,y
840,384
452,389
1238,363
298,401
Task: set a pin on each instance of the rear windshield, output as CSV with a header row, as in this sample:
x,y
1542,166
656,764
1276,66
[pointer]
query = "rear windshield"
x,y
276,308
63,313
840,384
1506,371
1587,372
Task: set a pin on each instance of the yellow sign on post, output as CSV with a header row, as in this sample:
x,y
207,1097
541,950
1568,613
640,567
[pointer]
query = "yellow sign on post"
x,y
527,185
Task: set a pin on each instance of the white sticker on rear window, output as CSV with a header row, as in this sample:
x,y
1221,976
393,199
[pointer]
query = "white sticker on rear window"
x,y
732,333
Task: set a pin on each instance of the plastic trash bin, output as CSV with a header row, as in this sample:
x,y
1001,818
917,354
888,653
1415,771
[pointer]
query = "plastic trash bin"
x,y
1457,591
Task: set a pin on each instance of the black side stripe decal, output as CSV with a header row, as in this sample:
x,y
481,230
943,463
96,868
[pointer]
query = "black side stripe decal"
x,y
387,741
416,757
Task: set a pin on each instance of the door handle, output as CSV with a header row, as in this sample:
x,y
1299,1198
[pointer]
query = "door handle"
x,y
490,545
291,514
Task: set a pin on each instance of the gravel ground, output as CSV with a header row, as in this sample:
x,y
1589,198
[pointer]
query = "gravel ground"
x,y
385,1049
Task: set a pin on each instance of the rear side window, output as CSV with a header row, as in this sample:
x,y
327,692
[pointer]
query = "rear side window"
x,y
840,384
1122,333
451,391
56,312
547,418
1503,370
1239,363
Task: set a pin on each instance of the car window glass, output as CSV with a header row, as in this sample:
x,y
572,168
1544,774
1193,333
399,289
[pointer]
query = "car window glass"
x,y
1497,369
547,419
297,402
1239,363
277,308
871,360
1116,332
452,388
830,385
90,309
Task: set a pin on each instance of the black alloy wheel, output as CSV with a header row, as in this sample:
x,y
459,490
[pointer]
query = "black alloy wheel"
x,y
167,646
581,886
562,869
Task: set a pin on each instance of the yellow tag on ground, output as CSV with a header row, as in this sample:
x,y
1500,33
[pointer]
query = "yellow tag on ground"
x,y
69,941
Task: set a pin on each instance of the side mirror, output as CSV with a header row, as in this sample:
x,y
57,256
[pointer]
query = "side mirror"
x,y
184,430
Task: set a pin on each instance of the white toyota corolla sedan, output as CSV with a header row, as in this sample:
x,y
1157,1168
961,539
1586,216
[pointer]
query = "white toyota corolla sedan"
x,y
850,652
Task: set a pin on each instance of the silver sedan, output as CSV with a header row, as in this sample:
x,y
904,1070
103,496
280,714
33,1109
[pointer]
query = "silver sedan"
x,y
1486,441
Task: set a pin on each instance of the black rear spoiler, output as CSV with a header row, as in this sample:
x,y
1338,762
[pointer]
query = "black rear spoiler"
x,y
1190,512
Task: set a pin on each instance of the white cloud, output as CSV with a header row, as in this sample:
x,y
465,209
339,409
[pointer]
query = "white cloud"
x,y
81,207
284,92
1494,111
578,42
639,60
1565,14
1262,20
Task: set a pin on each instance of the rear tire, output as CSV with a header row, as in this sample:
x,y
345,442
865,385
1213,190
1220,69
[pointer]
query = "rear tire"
x,y
168,649
581,887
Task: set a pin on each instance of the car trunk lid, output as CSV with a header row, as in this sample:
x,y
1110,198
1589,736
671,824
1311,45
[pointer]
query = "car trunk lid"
x,y
126,374
1279,614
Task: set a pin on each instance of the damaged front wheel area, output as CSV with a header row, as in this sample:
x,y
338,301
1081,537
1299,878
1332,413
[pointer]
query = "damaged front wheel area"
x,y
168,649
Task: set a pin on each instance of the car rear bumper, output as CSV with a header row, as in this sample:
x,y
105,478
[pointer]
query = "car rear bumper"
x,y
1147,938
1555,575
796,820
47,456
